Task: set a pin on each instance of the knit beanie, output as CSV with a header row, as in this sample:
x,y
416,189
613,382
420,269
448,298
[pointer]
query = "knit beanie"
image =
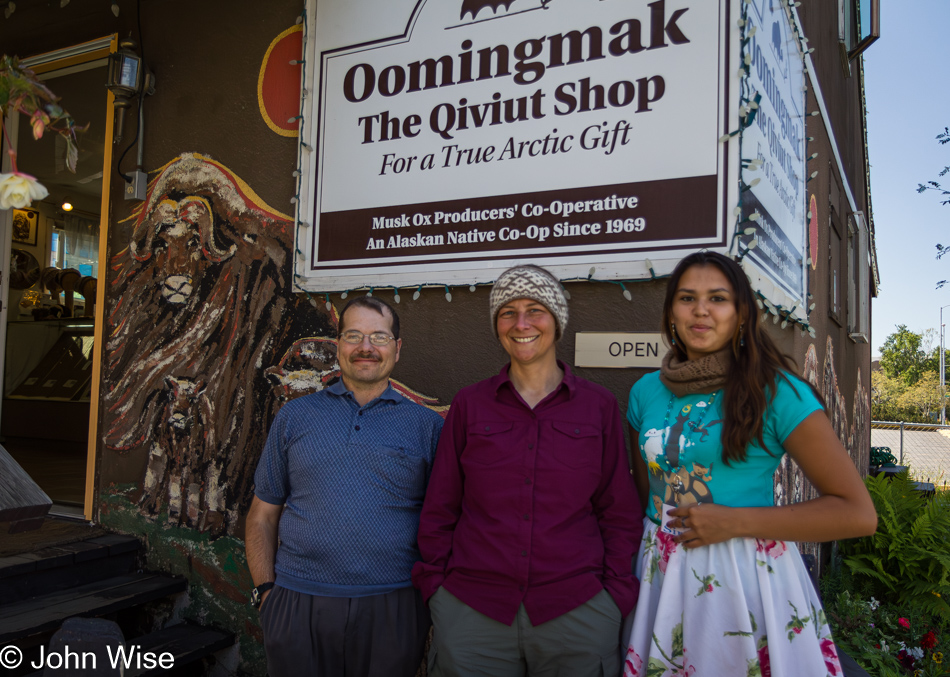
x,y
529,282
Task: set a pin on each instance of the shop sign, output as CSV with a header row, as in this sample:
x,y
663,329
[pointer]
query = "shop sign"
x,y
776,142
621,350
445,140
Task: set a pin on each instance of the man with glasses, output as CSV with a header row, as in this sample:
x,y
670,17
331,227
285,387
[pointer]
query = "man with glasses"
x,y
340,483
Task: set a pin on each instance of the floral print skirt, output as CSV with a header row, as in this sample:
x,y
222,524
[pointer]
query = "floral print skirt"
x,y
745,607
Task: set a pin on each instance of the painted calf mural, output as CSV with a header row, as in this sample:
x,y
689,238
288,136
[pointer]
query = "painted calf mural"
x,y
202,306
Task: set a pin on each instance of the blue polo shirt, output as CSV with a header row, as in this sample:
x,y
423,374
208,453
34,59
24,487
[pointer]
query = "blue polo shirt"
x,y
352,480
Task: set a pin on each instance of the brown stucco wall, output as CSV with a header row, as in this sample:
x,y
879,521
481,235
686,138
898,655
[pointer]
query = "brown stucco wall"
x,y
449,345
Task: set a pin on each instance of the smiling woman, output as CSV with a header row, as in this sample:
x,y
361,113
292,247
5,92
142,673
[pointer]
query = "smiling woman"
x,y
530,313
531,519
711,428
526,330
704,314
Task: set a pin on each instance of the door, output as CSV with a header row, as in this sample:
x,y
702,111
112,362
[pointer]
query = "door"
x,y
52,316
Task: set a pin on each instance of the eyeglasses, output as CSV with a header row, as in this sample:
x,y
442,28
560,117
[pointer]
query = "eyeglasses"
x,y
356,337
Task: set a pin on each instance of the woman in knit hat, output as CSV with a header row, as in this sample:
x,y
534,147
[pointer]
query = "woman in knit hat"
x,y
531,519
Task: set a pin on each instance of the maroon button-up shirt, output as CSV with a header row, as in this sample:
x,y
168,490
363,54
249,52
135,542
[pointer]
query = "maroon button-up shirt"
x,y
533,506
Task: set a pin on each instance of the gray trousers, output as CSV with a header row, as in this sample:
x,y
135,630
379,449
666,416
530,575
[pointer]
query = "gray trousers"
x,y
376,636
581,643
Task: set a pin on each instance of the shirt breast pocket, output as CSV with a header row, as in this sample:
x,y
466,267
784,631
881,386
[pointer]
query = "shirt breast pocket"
x,y
404,472
488,443
577,445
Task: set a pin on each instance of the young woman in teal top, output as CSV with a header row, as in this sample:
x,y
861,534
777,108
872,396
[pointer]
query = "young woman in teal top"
x,y
723,587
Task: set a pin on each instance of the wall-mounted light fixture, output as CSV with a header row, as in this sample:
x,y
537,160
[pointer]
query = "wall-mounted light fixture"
x,y
125,70
125,80
67,205
128,78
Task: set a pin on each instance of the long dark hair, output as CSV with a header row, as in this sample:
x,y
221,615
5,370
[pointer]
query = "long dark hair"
x,y
756,367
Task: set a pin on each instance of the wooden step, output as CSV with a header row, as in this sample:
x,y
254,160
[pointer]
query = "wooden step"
x,y
46,612
187,642
66,555
65,567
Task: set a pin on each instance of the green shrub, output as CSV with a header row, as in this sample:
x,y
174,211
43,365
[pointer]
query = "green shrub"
x,y
908,558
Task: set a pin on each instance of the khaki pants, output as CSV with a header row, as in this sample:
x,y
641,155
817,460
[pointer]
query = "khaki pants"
x,y
581,643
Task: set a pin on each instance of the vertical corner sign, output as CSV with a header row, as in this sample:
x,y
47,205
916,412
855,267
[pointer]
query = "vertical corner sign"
x,y
777,139
445,140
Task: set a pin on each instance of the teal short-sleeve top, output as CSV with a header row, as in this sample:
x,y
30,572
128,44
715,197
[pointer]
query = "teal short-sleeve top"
x,y
679,439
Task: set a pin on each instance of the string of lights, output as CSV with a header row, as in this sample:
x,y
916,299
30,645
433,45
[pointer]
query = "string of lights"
x,y
744,235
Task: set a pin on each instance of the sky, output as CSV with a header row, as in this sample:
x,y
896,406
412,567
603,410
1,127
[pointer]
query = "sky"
x,y
908,104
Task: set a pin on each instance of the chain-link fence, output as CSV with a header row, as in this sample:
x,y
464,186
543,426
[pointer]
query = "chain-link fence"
x,y
924,448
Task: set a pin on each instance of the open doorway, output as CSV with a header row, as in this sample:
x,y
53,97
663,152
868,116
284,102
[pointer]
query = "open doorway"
x,y
52,322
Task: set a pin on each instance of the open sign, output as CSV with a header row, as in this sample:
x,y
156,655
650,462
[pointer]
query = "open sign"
x,y
619,349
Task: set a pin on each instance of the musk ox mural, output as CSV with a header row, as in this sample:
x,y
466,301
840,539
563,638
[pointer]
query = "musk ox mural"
x,y
202,306
203,316
790,483
206,341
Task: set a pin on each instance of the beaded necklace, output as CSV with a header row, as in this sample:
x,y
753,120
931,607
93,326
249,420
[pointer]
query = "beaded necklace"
x,y
691,429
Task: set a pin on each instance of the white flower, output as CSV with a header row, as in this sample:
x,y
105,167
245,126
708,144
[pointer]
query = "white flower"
x,y
19,190
874,604
916,652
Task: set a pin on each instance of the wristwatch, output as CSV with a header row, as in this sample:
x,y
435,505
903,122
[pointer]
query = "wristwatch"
x,y
258,593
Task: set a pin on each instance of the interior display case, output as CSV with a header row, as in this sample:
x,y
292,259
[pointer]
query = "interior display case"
x,y
48,379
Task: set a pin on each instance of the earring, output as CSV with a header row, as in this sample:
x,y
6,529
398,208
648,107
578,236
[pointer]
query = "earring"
x,y
673,333
741,336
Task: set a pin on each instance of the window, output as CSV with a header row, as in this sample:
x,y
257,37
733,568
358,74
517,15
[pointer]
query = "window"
x,y
859,273
835,310
852,269
859,25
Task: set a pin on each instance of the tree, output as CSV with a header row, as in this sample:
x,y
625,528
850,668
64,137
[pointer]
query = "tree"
x,y
908,386
943,138
903,356
933,363
923,397
885,394
894,400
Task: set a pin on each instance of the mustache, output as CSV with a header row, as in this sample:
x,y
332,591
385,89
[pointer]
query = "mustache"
x,y
365,356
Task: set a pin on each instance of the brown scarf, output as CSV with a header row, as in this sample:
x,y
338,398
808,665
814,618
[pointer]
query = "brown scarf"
x,y
703,376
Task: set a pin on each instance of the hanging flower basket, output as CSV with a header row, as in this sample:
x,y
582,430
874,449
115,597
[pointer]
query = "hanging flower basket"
x,y
21,91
